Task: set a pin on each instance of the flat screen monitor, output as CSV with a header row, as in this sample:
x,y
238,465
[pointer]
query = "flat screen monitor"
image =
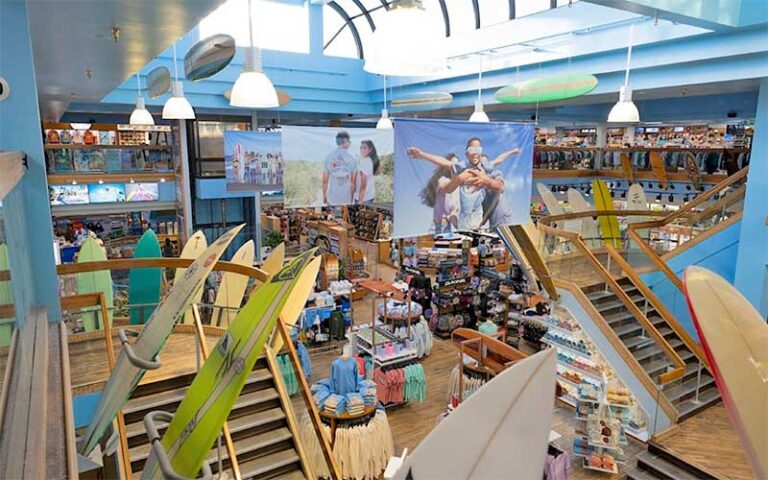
x,y
141,192
68,194
106,192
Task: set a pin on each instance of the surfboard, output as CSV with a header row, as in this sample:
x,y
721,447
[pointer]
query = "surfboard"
x,y
144,283
609,224
734,338
659,170
196,245
548,89
501,431
588,226
420,101
496,354
158,82
626,166
274,262
636,199
125,376
209,56
693,171
94,282
209,399
232,288
549,199
6,298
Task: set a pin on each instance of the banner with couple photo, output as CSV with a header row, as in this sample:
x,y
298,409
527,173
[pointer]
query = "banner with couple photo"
x,y
452,176
337,166
253,161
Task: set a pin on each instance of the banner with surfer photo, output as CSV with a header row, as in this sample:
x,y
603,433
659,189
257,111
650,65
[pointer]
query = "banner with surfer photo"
x,y
452,176
253,161
337,166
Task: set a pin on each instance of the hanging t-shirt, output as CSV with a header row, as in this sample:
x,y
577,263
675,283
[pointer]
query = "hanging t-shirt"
x,y
344,375
340,166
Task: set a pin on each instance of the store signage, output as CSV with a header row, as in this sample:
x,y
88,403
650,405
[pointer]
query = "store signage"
x,y
453,282
5,89
412,270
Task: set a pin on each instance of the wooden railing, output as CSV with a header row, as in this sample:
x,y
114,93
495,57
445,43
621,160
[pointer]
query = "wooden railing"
x,y
621,349
528,250
639,316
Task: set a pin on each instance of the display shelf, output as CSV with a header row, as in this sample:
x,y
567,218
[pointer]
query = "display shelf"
x,y
553,327
641,435
586,465
567,349
73,146
570,382
584,373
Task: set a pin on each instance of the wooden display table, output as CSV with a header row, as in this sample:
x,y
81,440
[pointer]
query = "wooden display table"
x,y
333,420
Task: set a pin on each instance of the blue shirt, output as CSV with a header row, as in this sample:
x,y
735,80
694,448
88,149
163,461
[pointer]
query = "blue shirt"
x,y
344,375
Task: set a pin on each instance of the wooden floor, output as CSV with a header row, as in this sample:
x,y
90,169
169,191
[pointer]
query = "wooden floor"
x,y
709,440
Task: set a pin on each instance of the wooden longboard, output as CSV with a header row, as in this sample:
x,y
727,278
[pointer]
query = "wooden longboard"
x,y
232,288
501,431
204,409
659,170
94,282
693,171
636,200
497,354
588,226
144,283
125,376
734,337
609,224
196,245
626,166
275,260
522,241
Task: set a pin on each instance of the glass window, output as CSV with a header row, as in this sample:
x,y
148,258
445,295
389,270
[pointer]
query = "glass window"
x,y
462,15
529,7
276,26
343,45
493,12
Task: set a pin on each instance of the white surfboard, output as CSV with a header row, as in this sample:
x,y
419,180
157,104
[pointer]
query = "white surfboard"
x,y
196,245
587,226
549,199
125,376
232,288
501,431
275,260
636,200
735,340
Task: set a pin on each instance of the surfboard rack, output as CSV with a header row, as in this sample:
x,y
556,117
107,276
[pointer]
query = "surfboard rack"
x,y
135,360
157,448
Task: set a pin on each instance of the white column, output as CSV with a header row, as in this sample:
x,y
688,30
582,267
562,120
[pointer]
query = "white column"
x,y
256,200
184,178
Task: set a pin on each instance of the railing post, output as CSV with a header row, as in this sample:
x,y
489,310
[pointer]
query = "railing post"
x,y
698,383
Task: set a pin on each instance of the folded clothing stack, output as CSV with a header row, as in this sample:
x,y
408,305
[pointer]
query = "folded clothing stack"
x,y
367,388
335,404
355,404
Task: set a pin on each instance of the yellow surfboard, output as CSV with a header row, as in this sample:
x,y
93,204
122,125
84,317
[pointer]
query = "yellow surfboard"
x,y
196,245
609,225
232,288
659,171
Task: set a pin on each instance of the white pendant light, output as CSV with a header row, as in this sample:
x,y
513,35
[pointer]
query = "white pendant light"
x,y
479,114
384,123
140,115
253,89
177,107
625,110
408,41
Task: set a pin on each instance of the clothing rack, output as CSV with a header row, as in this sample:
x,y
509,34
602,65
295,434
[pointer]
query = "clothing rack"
x,y
345,420
398,364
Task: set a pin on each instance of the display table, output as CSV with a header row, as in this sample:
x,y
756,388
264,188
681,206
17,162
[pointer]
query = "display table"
x,y
333,420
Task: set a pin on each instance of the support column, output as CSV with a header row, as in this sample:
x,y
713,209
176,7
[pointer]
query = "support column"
x,y
184,178
27,209
256,201
315,29
752,263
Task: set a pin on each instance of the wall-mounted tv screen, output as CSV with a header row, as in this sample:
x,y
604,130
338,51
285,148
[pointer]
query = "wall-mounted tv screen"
x,y
106,192
68,194
141,192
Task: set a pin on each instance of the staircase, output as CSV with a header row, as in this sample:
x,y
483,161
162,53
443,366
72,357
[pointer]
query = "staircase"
x,y
265,446
658,463
681,392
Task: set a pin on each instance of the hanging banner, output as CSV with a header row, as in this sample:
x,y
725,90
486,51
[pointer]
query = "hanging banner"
x,y
337,166
253,161
452,176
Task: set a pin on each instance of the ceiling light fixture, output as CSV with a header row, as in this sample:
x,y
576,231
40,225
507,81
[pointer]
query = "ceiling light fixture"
x,y
80,126
177,107
384,123
479,114
140,115
625,110
408,41
253,89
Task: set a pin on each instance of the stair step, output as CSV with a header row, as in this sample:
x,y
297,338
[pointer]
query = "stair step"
x,y
647,352
660,467
263,465
293,475
140,452
657,367
636,473
618,303
676,391
707,397
636,342
619,317
665,331
235,425
599,295
157,401
253,443
627,329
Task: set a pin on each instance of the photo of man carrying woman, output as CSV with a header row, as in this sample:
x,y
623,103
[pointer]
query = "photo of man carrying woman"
x,y
482,182
337,166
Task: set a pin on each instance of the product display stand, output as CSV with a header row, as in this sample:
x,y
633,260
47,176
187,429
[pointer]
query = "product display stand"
x,y
596,438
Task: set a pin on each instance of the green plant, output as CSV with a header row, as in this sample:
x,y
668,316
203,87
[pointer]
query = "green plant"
x,y
273,239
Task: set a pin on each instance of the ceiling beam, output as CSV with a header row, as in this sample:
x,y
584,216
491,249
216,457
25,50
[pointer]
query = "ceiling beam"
x,y
366,14
646,8
446,18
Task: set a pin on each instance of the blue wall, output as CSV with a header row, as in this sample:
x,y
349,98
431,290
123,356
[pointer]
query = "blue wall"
x,y
717,253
